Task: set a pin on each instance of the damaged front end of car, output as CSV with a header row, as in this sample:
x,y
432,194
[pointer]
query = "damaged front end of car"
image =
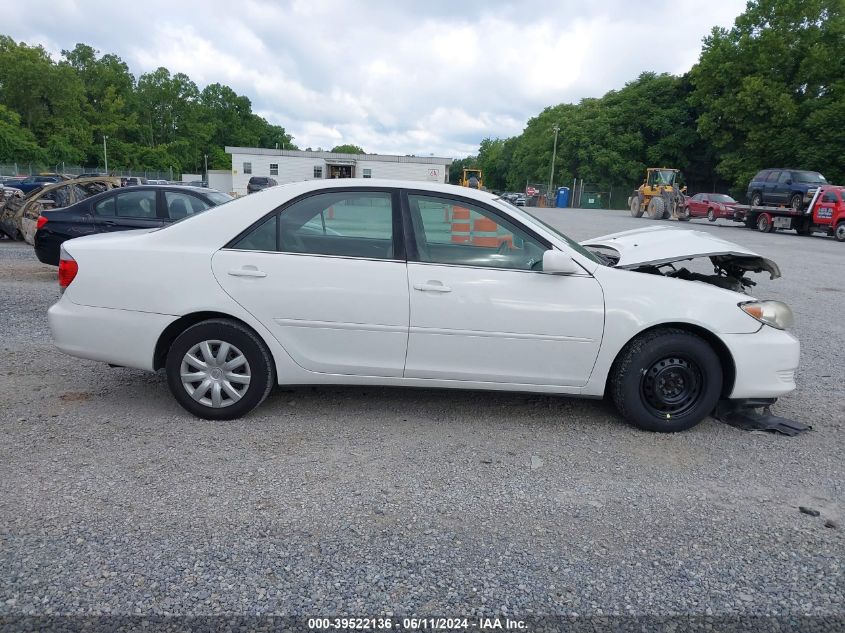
x,y
664,251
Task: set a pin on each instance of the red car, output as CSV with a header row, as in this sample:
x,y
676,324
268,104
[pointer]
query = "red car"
x,y
710,205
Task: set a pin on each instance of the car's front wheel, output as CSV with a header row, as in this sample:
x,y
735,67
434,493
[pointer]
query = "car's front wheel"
x,y
666,380
219,369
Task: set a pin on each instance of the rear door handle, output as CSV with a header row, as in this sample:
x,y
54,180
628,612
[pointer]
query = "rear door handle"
x,y
247,271
432,286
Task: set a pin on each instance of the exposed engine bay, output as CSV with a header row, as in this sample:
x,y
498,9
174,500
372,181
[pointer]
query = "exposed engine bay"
x,y
728,270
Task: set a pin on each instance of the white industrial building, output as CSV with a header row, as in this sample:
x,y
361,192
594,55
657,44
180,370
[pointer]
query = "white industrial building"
x,y
293,166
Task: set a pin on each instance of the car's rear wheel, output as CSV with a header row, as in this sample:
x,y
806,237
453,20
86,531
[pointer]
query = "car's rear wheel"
x,y
839,232
666,380
219,370
756,199
711,215
764,223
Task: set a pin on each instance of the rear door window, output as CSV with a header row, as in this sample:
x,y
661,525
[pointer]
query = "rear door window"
x,y
181,205
342,224
136,204
105,207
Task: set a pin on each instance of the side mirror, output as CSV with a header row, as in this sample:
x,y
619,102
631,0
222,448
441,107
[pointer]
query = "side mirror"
x,y
559,263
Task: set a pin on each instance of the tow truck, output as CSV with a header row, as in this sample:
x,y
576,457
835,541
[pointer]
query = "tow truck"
x,y
823,212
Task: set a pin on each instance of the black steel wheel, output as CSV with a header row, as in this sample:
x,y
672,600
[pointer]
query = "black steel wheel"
x,y
666,380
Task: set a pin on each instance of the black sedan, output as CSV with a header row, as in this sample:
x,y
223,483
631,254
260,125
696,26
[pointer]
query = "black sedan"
x,y
124,209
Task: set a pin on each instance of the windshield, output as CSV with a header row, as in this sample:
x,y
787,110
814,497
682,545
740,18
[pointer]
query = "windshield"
x,y
809,176
664,177
575,246
720,197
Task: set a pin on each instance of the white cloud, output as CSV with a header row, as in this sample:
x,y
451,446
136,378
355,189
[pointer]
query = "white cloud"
x,y
390,76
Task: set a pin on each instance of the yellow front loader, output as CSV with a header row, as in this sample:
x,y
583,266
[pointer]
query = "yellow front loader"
x,y
472,178
660,195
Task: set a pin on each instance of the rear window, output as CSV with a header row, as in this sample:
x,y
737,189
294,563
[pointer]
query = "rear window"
x,y
256,180
218,198
761,175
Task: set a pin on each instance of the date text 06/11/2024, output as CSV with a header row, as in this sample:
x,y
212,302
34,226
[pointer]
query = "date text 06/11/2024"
x,y
415,624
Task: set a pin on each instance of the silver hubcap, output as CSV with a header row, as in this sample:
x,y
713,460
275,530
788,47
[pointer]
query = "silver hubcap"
x,y
215,373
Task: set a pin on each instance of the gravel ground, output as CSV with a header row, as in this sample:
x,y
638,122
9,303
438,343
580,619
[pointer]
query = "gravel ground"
x,y
364,501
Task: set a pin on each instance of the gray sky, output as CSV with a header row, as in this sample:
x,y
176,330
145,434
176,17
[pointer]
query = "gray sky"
x,y
391,76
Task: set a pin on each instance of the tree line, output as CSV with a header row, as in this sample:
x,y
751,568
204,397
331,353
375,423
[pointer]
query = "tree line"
x,y
54,112
769,92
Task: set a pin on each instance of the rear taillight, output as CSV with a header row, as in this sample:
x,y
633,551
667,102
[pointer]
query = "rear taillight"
x,y
41,222
67,270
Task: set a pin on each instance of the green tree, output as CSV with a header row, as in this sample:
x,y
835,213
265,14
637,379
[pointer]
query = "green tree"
x,y
347,149
16,142
771,90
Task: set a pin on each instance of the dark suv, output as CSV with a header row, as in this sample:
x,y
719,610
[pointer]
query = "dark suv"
x,y
257,183
793,187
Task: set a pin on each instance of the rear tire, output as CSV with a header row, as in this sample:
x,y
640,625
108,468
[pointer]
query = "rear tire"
x,y
666,380
764,223
839,232
756,199
219,370
636,206
656,208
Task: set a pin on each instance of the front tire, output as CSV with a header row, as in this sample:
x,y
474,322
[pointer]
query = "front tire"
x,y
796,201
656,208
666,380
711,215
219,370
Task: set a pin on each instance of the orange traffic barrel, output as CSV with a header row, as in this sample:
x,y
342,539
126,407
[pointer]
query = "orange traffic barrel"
x,y
485,233
460,225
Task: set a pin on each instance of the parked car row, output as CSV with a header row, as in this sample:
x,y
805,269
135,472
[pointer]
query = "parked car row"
x,y
58,211
124,209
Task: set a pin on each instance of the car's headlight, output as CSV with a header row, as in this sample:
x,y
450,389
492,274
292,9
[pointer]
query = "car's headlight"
x,y
774,313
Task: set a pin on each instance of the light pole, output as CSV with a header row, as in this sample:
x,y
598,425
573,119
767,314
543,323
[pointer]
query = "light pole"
x,y
205,164
105,153
556,128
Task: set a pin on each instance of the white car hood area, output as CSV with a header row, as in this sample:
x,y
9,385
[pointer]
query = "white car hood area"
x,y
658,245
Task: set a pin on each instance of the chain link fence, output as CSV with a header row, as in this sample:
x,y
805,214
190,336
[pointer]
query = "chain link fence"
x,y
30,169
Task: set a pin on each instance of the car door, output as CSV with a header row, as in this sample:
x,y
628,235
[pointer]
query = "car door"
x,y
127,210
697,203
327,276
782,188
770,194
481,307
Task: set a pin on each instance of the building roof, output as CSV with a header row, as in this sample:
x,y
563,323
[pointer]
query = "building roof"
x,y
384,158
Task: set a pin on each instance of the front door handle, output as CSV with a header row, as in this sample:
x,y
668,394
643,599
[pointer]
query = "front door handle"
x,y
247,271
432,286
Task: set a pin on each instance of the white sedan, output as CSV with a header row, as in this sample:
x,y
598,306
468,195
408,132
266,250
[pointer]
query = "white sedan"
x,y
417,284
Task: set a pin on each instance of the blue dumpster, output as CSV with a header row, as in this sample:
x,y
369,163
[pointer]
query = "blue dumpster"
x,y
562,200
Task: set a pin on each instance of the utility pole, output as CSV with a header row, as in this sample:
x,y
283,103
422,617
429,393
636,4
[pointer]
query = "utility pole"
x,y
105,153
205,164
556,128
